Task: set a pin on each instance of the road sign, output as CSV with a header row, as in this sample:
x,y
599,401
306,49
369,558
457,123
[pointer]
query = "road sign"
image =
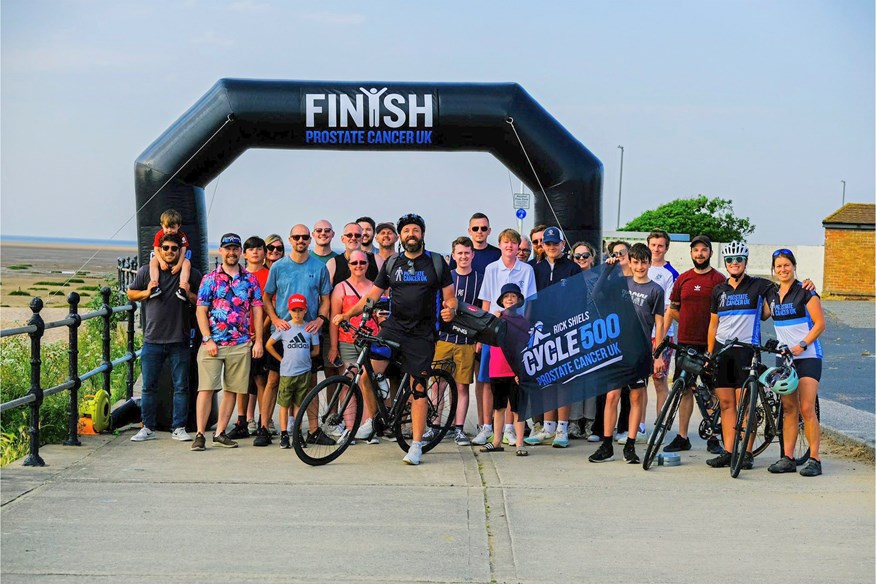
x,y
521,213
522,200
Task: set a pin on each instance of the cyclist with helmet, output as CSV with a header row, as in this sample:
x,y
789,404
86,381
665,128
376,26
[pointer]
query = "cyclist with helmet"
x,y
799,322
415,278
736,311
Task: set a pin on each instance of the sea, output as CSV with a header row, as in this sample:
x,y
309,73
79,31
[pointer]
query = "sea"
x,y
4,238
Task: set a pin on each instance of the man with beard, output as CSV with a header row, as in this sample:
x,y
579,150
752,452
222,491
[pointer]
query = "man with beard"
x,y
415,281
368,233
323,233
386,238
690,304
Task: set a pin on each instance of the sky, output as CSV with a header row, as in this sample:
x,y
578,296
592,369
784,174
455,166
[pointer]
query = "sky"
x,y
769,104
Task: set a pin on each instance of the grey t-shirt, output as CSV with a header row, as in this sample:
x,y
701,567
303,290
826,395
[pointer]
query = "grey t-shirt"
x,y
296,349
167,317
648,300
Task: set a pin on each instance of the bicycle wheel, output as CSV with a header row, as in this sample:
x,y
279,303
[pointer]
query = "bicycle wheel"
x,y
441,414
801,447
327,420
663,422
767,425
746,419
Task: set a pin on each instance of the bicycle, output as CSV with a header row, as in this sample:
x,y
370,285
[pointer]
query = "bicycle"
x,y
750,416
335,405
692,365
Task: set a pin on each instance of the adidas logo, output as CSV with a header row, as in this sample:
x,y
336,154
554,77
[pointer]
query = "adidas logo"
x,y
298,342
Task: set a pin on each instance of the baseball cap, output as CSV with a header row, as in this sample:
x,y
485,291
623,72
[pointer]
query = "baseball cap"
x,y
385,225
508,289
701,239
229,239
297,301
552,235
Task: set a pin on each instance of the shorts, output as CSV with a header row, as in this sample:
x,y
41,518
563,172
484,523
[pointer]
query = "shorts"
x,y
416,353
484,371
666,356
505,390
258,368
732,368
808,367
463,357
271,364
698,348
293,389
228,370
348,352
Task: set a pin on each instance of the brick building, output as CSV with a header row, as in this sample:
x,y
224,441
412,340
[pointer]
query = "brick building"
x,y
849,249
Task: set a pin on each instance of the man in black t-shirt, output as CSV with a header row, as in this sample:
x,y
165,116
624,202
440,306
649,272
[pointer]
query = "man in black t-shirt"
x,y
415,284
166,336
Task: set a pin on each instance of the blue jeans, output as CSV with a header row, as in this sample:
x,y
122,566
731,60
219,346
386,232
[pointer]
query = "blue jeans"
x,y
151,361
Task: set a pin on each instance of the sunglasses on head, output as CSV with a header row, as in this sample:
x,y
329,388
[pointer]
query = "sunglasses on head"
x,y
358,263
170,247
277,248
411,269
353,235
476,228
323,230
735,259
582,256
781,251
305,237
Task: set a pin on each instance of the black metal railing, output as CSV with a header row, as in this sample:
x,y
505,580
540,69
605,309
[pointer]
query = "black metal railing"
x,y
35,328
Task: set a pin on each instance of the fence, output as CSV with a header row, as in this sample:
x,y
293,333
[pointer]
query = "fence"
x,y
36,327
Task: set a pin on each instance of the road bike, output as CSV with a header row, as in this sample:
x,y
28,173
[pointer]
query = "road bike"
x,y
331,413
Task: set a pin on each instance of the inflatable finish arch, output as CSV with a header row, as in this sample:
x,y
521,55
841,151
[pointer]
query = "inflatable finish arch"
x,y
237,114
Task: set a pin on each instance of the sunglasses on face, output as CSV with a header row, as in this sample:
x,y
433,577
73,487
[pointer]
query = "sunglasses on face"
x,y
476,228
300,237
275,248
582,256
323,230
359,263
619,253
353,235
536,241
783,250
735,259
170,247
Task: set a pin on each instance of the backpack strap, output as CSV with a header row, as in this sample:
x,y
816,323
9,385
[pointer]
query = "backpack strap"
x,y
437,262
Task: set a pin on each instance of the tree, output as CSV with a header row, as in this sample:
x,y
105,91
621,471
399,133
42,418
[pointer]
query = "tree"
x,y
698,216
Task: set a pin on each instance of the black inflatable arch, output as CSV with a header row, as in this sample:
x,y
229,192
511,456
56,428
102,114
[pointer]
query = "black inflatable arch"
x,y
237,114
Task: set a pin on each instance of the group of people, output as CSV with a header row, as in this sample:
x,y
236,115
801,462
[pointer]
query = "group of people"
x,y
268,326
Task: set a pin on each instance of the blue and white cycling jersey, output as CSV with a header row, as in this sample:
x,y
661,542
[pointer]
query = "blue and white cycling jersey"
x,y
739,309
792,319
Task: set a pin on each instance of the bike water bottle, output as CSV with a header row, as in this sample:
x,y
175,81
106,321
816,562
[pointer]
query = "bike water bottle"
x,y
382,385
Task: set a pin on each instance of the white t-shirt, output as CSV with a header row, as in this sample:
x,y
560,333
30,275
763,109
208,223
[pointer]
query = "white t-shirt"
x,y
497,275
665,279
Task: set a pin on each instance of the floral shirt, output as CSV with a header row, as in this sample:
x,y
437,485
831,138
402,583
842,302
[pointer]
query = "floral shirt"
x,y
231,300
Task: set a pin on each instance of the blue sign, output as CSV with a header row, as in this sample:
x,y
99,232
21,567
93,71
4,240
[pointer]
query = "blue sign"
x,y
521,213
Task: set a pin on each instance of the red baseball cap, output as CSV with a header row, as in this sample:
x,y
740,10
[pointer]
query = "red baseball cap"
x,y
297,301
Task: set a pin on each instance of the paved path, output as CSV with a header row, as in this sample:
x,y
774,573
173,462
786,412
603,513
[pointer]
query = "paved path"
x,y
113,510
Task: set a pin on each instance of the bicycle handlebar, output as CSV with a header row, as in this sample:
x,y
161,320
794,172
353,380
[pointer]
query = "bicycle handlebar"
x,y
365,335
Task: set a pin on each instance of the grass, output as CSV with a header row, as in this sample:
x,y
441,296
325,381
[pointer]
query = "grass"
x,y
20,266
46,283
37,288
54,413
90,288
19,292
76,281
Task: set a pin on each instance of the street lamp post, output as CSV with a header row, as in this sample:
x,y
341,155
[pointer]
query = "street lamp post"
x,y
844,192
620,186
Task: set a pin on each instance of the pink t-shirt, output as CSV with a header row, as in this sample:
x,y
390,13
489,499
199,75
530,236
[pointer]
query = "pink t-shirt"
x,y
499,366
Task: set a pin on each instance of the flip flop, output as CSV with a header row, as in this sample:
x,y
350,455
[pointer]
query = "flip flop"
x,y
488,447
522,452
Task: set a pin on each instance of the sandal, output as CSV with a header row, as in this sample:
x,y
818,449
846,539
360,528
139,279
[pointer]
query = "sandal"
x,y
522,452
488,447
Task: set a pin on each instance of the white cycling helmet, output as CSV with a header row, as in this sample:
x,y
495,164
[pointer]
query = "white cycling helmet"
x,y
782,380
734,248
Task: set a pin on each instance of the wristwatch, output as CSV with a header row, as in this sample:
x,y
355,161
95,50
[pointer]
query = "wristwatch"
x,y
323,317
803,344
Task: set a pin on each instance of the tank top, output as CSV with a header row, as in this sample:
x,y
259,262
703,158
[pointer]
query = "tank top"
x,y
342,269
350,298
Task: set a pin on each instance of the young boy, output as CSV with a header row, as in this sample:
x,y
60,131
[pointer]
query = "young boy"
x,y
171,221
503,382
299,346
647,298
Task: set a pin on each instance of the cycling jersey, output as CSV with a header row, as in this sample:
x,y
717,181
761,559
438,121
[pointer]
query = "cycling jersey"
x,y
739,309
792,319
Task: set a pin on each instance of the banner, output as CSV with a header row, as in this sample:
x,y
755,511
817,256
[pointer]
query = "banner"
x,y
574,340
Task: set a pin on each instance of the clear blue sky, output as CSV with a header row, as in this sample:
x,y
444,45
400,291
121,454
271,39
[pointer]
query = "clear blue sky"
x,y
769,104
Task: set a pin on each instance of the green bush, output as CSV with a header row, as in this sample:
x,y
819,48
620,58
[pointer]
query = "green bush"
x,y
19,292
20,266
54,413
45,283
90,288
76,281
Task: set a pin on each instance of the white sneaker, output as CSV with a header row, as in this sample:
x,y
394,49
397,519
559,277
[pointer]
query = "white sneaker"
x,y
510,437
483,437
181,435
374,439
461,439
365,430
535,428
414,453
561,439
335,431
252,427
539,438
622,438
144,434
429,434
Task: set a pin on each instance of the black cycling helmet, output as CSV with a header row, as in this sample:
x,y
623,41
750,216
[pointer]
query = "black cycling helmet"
x,y
410,218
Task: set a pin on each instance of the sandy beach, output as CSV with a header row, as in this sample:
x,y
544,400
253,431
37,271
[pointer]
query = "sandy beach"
x,y
51,271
